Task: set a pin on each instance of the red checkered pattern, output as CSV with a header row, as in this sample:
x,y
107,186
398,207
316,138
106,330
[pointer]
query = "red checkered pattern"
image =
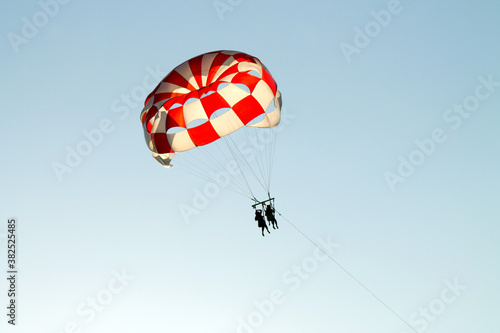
x,y
198,88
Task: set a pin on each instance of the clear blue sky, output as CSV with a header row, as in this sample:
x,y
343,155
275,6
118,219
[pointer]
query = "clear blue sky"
x,y
391,151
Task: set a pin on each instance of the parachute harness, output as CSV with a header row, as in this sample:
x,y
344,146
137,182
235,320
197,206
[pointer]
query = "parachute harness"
x,y
257,203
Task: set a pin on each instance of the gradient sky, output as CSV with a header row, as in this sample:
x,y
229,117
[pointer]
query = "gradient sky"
x,y
354,116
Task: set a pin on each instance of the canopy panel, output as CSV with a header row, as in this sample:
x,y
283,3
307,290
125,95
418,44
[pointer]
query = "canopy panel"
x,y
220,92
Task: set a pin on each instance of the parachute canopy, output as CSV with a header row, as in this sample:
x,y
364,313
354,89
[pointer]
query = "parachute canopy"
x,y
206,98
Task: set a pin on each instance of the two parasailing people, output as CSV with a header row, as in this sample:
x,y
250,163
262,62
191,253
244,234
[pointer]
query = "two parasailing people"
x,y
269,212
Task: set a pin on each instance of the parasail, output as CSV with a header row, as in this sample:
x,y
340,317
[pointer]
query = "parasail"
x,y
216,109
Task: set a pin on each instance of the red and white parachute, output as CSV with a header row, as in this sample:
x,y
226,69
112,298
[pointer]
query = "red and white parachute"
x,y
206,100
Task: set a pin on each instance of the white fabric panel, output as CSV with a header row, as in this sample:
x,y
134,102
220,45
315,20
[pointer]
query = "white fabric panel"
x,y
263,94
186,73
232,94
166,87
272,118
181,91
193,111
164,159
180,141
264,123
226,123
248,66
143,112
160,121
147,137
205,66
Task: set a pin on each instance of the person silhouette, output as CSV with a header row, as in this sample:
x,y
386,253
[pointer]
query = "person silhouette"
x,y
261,222
270,216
